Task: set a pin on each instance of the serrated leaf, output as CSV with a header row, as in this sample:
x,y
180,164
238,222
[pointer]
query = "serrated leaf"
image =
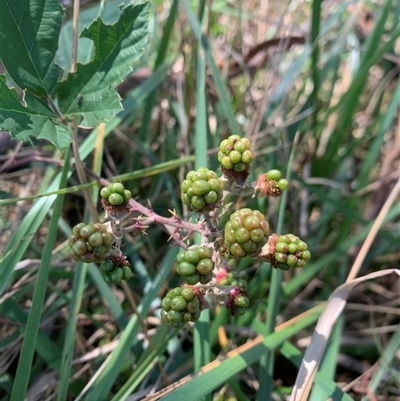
x,y
29,33
90,91
109,11
32,120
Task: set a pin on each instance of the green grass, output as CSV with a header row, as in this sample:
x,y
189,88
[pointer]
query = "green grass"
x,y
326,114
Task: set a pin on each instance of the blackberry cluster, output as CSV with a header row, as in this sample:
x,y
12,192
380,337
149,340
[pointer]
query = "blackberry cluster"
x,y
113,274
235,154
180,306
90,243
230,278
237,301
195,265
245,233
201,190
290,251
115,194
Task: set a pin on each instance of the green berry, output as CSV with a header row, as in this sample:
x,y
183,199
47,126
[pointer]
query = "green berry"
x,y
174,292
117,275
227,163
185,269
242,301
164,316
236,250
242,234
301,245
187,293
117,188
285,239
274,175
127,195
247,156
235,157
166,303
86,231
201,187
127,272
239,167
193,305
107,266
291,260
197,202
186,317
280,257
178,303
205,267
204,252
174,316
105,192
251,222
77,229
115,199
211,197
215,184
300,263
95,240
282,247
239,147
79,247
282,184
205,279
292,248
192,256
185,198
193,279
107,240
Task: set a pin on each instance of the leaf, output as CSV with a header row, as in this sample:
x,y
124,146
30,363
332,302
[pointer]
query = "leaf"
x,y
33,120
109,12
29,33
90,91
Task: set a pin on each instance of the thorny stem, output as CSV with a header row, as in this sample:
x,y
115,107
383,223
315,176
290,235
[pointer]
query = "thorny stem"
x,y
152,217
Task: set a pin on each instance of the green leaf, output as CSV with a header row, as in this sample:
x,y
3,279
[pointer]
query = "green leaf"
x,y
34,119
29,33
90,91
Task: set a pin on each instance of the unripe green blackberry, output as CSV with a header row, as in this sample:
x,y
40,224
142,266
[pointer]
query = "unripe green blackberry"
x,y
235,158
227,278
115,194
237,301
271,184
114,199
195,265
114,273
289,251
180,306
90,243
246,232
201,190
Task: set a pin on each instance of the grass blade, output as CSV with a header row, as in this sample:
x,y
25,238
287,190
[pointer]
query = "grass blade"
x,y
28,348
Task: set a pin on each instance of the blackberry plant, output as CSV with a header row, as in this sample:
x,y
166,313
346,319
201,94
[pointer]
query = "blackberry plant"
x,y
207,270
